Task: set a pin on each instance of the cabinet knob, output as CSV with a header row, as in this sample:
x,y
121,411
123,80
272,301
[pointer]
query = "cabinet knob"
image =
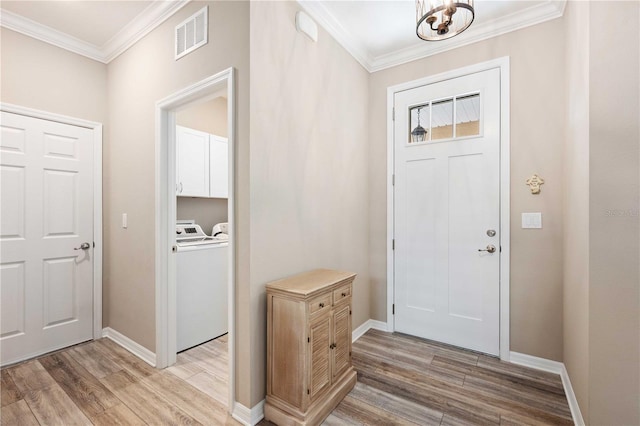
x,y
332,346
344,294
322,305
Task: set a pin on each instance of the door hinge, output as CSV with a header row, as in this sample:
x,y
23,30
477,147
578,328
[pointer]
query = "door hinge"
x,y
393,113
500,249
393,309
308,339
308,392
349,311
393,244
393,180
174,249
94,245
349,353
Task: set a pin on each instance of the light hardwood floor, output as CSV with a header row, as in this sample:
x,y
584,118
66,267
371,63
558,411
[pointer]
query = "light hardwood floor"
x,y
101,383
402,380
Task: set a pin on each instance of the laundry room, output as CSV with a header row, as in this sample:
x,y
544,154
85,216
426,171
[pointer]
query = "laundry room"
x,y
201,229
194,202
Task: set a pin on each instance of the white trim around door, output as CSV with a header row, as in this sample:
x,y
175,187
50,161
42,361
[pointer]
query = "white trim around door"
x,y
97,196
503,65
165,218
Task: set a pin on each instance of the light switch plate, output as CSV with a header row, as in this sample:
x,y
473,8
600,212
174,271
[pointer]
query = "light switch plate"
x,y
532,220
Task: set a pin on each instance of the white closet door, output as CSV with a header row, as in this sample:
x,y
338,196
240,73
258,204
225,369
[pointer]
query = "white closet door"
x,y
193,162
46,211
219,167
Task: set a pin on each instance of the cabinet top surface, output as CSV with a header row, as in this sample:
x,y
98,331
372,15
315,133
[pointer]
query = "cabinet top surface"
x,y
310,282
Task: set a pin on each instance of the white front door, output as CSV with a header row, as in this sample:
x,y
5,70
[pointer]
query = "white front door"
x,y
46,214
447,208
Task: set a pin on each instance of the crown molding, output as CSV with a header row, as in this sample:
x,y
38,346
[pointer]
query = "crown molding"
x,y
550,9
148,20
145,22
330,23
41,32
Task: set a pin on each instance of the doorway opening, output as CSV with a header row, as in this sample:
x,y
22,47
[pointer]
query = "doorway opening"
x,y
182,244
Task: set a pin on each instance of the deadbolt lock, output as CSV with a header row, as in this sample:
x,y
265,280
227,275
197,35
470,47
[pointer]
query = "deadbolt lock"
x,y
491,232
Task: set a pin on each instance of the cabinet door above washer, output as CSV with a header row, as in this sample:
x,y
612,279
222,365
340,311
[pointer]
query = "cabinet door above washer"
x,y
193,162
219,167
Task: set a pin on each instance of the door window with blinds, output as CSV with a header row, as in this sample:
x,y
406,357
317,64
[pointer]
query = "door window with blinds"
x,y
445,119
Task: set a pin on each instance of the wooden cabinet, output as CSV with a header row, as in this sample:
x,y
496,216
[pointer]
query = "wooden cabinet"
x,y
309,367
202,168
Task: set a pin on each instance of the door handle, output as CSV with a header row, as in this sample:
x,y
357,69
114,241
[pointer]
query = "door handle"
x,y
83,246
490,248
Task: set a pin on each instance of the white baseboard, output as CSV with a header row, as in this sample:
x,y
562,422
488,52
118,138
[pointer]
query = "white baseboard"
x,y
135,348
571,397
366,326
543,364
556,368
246,416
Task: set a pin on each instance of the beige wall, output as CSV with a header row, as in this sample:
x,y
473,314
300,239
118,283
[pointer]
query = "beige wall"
x,y
144,74
205,211
576,203
210,117
614,217
309,173
41,76
537,134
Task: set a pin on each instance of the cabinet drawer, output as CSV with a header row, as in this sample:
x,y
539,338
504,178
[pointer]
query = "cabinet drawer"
x,y
320,303
341,293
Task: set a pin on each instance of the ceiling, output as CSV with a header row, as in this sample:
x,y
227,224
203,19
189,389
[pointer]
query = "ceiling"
x,y
95,22
379,34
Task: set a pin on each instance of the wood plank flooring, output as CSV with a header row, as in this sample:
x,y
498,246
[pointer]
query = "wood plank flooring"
x,y
100,383
402,380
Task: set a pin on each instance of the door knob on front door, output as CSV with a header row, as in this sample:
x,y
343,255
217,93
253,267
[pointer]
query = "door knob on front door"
x,y
490,248
83,246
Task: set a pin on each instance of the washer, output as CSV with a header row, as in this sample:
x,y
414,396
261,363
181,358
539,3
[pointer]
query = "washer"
x,y
202,276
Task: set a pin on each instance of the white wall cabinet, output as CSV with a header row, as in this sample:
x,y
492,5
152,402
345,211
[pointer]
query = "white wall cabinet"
x,y
202,165
218,167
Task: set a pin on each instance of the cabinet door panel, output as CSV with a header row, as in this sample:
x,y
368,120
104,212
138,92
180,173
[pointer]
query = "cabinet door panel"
x,y
340,355
320,339
193,162
219,167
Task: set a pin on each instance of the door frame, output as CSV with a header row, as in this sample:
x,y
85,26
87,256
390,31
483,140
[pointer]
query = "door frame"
x,y
165,215
96,128
505,161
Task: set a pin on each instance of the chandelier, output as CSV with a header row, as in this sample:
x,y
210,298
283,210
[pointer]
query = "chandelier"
x,y
442,19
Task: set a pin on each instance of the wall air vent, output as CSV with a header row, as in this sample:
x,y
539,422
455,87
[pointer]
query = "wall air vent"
x,y
192,33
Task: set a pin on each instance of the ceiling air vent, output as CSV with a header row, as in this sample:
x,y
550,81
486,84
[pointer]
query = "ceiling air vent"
x,y
192,33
